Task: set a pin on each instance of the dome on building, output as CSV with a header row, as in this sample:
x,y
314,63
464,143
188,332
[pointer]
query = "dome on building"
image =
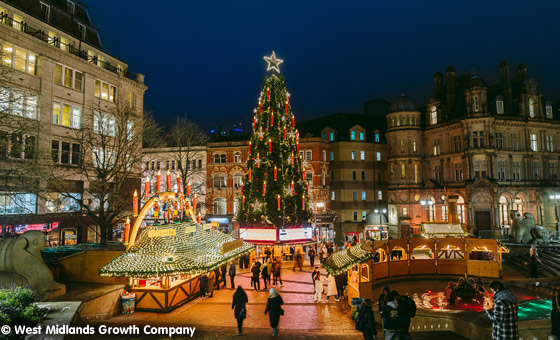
x,y
476,81
376,217
402,103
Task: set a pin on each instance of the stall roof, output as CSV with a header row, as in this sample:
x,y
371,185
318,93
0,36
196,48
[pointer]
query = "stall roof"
x,y
175,249
434,229
342,260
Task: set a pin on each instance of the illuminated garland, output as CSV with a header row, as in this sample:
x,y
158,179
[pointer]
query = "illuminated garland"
x,y
174,255
345,259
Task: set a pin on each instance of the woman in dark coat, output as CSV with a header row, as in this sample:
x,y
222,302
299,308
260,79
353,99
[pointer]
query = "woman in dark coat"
x,y
238,306
366,321
274,310
203,285
555,316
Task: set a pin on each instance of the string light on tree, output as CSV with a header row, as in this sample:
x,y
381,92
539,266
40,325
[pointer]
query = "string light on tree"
x,y
273,62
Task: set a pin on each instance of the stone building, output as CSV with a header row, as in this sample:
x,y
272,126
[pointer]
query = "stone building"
x,y
492,147
54,74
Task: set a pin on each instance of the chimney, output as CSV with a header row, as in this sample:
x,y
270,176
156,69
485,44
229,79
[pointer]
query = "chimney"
x,y
438,84
450,85
521,72
505,82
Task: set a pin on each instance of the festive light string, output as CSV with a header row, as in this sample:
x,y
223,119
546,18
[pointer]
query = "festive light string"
x,y
345,259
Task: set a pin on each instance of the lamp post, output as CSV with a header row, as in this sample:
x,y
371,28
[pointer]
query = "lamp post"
x,y
377,211
427,203
555,199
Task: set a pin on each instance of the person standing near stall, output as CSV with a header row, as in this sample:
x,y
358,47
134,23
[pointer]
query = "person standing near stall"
x,y
311,254
211,283
255,281
274,310
504,313
239,308
232,271
265,275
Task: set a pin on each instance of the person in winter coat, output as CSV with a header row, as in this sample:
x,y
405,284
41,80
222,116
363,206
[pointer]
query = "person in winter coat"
x,y
231,273
239,308
321,254
203,285
365,322
384,298
265,275
223,271
504,313
313,275
277,270
534,262
255,281
270,269
331,288
211,283
274,310
407,310
311,254
391,318
341,282
318,287
555,316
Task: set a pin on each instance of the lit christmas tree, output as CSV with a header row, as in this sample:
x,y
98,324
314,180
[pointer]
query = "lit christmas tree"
x,y
275,191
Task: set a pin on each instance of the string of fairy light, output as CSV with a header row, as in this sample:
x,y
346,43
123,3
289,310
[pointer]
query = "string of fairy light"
x,y
340,261
184,253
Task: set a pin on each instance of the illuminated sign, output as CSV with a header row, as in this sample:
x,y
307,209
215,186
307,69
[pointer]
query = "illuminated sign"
x,y
162,232
221,220
207,226
257,234
296,234
190,229
229,246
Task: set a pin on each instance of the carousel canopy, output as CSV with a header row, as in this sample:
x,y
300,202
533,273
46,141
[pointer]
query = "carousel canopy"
x,y
345,259
176,249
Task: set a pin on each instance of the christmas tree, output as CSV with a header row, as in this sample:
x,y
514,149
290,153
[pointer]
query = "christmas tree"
x,y
275,191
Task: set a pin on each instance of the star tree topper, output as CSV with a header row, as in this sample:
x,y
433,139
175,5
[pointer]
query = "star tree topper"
x,y
273,62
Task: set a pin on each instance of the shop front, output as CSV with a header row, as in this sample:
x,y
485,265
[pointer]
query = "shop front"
x,y
324,227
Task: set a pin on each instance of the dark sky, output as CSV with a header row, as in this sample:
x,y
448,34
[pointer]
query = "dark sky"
x,y
204,59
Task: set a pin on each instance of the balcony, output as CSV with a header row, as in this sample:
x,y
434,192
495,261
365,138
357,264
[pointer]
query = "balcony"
x,y
55,42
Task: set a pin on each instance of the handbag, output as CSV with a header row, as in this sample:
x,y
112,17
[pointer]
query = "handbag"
x,y
242,313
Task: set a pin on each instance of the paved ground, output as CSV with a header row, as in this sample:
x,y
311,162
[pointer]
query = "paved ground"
x,y
213,317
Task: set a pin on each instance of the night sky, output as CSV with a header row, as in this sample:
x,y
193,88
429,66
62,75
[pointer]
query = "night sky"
x,y
204,59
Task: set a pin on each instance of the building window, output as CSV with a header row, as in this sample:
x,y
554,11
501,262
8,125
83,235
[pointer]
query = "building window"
x,y
173,165
536,169
437,173
129,130
478,139
82,30
364,215
308,155
354,195
105,91
353,135
502,170
531,108
15,203
444,213
552,170
355,215
309,177
515,141
353,155
379,195
237,157
363,155
218,158
457,143
363,175
18,103
332,176
17,146
548,111
68,77
131,100
479,168
62,202
19,59
220,206
402,146
354,175
332,156
499,140
403,170
405,211
377,137
413,144
324,155
533,138
433,117
68,115
415,173
220,181
46,11
361,135
102,124
476,104
500,107
200,163
516,170
437,148
332,135
363,195
71,6
237,180
549,143
158,165
458,172
378,156
323,178
332,196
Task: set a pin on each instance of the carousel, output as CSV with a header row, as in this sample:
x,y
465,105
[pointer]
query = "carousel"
x,y
163,261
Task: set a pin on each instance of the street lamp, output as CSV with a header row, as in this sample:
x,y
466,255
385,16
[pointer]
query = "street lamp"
x,y
427,203
555,199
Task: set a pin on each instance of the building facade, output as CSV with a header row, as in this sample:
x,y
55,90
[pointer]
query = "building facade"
x,y
493,147
56,81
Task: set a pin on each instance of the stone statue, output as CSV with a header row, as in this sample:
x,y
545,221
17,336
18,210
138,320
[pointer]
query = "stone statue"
x,y
525,230
21,263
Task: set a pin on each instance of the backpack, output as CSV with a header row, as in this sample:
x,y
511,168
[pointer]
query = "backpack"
x,y
359,325
411,307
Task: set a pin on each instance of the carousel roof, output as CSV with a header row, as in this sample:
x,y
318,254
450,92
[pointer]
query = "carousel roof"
x,y
345,259
175,249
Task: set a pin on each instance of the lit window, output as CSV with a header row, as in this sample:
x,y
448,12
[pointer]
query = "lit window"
x,y
68,77
403,170
376,137
433,117
104,124
363,155
378,156
353,155
130,133
353,135
332,156
549,111
531,108
308,155
379,195
332,135
67,115
500,106
18,103
237,157
105,91
324,156
131,100
363,195
12,203
533,142
332,196
476,104
19,59
361,135
413,144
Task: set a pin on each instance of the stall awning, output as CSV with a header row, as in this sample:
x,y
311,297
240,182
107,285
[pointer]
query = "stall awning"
x,y
343,260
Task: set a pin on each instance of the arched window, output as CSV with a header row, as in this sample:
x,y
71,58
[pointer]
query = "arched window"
x,y
432,209
433,116
398,254
461,210
220,206
237,157
518,205
504,211
235,206
476,105
422,253
237,180
500,105
531,108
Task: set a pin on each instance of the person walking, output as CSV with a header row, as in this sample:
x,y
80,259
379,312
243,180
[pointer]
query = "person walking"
x,y
239,308
311,254
277,269
274,309
321,253
384,298
255,281
265,275
269,268
232,271
365,322
555,316
407,310
504,313
534,263
331,288
341,282
223,271
391,318
267,253
211,282
318,287
313,275
203,285
298,261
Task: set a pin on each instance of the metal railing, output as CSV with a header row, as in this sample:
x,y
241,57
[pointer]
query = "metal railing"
x,y
54,41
